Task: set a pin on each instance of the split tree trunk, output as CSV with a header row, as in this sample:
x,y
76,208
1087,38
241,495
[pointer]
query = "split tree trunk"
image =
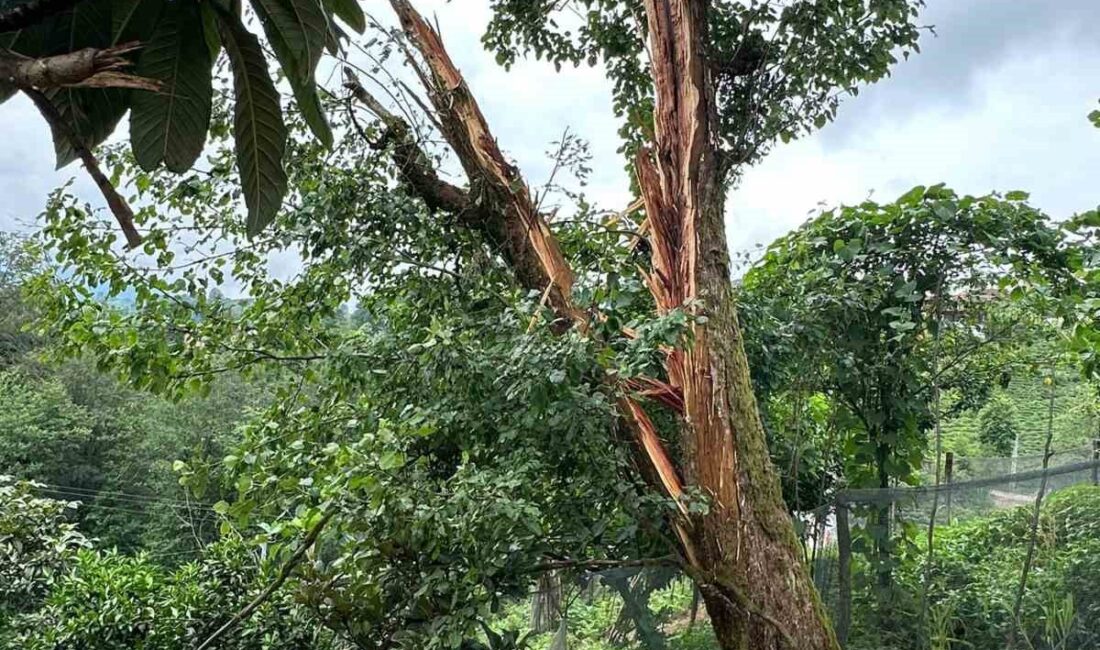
x,y
743,553
756,588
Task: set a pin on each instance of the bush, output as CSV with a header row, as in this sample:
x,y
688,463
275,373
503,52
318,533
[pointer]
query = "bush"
x,y
110,601
997,427
36,541
976,573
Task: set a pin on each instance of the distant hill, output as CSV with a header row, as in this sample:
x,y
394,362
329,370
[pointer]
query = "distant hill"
x,y
1075,418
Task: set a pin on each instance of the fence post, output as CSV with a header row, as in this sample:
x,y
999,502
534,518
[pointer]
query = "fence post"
x,y
844,574
949,471
1095,458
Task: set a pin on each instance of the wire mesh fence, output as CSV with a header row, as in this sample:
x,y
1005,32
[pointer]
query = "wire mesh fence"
x,y
868,552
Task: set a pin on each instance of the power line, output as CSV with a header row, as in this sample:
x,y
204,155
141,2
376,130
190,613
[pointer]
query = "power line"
x,y
129,496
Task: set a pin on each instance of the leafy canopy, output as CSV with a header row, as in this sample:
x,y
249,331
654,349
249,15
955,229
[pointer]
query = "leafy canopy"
x,y
779,69
181,42
874,303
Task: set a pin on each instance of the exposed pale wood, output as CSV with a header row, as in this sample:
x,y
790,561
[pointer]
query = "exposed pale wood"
x,y
507,214
88,67
756,589
528,242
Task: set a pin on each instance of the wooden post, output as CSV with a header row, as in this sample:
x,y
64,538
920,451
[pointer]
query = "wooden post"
x,y
844,574
949,471
1095,458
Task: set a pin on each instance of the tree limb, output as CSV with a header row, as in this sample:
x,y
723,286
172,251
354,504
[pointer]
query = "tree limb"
x,y
284,574
123,214
88,67
600,565
521,233
412,162
507,215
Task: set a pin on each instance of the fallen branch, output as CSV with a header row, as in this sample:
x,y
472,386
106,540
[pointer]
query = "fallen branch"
x,y
284,574
123,214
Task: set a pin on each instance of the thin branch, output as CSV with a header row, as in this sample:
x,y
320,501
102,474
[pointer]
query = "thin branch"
x,y
284,574
600,565
123,214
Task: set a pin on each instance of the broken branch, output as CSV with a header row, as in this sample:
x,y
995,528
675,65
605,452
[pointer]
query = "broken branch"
x,y
123,214
88,67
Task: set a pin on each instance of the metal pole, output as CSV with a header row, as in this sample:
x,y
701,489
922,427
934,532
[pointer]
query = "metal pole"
x,y
949,470
844,574
1096,457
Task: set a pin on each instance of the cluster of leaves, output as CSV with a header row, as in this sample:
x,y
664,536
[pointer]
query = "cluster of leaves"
x,y
976,571
37,538
868,303
997,427
104,600
779,69
181,41
459,447
879,309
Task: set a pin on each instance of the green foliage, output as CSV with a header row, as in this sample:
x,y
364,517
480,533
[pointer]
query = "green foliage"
x,y
868,302
257,126
459,449
997,427
976,571
171,127
108,601
778,71
44,436
36,541
181,41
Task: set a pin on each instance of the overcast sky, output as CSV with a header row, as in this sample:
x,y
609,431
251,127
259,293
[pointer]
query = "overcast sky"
x,y
996,101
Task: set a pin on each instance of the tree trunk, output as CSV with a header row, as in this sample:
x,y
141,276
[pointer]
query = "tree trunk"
x,y
744,550
746,540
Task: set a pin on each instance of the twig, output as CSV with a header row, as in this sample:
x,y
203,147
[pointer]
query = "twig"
x,y
598,565
284,573
1034,532
123,214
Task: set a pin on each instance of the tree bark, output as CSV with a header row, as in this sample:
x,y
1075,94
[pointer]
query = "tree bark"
x,y
760,594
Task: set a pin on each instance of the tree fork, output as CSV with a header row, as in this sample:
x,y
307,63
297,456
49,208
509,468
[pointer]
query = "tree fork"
x,y
759,594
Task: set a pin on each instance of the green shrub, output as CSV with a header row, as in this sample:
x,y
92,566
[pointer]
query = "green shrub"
x,y
976,572
111,601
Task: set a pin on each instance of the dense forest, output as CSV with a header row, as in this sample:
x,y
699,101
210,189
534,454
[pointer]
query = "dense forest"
x,y
489,415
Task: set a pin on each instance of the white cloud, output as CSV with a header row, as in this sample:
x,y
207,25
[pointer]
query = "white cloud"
x,y
1023,127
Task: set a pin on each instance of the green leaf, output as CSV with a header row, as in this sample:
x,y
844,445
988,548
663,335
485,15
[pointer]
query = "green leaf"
x,y
257,125
301,25
170,126
91,113
1017,196
221,507
350,12
134,19
913,196
301,81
